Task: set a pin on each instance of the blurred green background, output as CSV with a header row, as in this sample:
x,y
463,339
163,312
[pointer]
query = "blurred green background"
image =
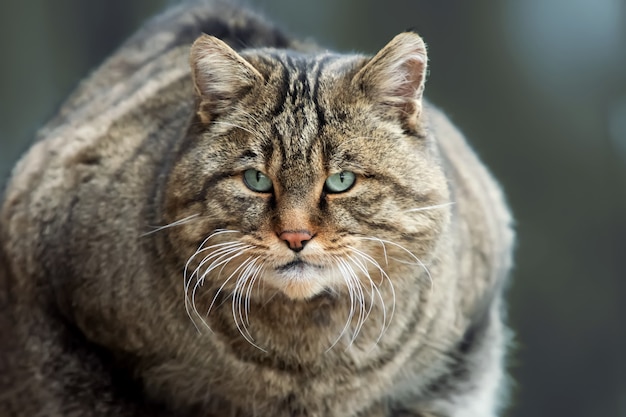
x,y
538,86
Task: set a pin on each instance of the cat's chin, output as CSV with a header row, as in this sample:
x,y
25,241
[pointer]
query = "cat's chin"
x,y
301,281
301,290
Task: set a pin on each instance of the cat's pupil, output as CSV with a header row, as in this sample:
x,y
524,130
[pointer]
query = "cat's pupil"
x,y
340,182
257,181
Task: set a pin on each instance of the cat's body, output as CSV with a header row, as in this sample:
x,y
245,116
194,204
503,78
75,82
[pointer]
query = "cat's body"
x,y
309,184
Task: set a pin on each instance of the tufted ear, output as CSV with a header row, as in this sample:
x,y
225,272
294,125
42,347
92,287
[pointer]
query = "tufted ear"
x,y
395,77
220,76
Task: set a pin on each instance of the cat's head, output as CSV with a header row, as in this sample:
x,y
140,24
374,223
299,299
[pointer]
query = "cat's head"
x,y
306,173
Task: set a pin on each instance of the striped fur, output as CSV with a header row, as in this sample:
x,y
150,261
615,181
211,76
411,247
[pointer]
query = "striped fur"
x,y
142,275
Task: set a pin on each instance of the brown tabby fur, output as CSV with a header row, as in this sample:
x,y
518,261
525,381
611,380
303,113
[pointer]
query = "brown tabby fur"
x,y
141,276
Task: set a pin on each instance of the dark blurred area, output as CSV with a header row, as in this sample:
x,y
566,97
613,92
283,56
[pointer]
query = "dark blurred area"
x,y
539,88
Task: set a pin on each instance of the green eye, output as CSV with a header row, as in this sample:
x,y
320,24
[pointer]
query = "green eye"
x,y
257,181
340,182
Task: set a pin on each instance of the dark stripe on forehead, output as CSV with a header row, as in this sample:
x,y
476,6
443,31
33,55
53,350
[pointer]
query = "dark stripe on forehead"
x,y
299,88
319,110
278,139
294,82
282,91
298,67
289,104
298,103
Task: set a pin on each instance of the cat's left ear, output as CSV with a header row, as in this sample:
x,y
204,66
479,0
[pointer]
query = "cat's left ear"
x,y
395,76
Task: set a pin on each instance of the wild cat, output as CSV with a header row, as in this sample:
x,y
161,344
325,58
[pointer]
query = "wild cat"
x,y
236,223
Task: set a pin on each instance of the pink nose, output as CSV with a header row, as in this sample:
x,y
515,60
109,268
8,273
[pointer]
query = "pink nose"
x,y
296,239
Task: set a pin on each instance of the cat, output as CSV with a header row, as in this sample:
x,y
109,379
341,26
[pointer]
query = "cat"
x,y
224,221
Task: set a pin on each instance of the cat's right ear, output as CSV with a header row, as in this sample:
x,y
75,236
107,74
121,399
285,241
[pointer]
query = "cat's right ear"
x,y
220,76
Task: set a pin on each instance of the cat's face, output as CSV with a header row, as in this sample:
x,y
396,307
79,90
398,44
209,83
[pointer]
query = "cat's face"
x,y
305,174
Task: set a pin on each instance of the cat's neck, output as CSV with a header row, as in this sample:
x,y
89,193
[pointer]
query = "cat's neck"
x,y
308,333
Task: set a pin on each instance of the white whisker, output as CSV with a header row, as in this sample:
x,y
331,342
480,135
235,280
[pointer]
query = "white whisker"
x,y
219,257
363,268
254,276
411,254
237,301
341,265
223,264
222,255
386,322
363,315
384,276
200,248
436,206
242,295
173,224
235,125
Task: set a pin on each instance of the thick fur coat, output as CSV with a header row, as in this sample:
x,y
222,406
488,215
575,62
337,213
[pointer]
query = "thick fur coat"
x,y
251,226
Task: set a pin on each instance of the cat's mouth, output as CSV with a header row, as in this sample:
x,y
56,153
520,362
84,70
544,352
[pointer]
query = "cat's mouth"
x,y
300,279
297,265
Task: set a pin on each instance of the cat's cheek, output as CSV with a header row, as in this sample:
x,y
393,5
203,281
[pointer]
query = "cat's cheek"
x,y
243,210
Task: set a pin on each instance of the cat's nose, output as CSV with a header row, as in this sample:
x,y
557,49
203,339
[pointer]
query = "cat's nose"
x,y
296,239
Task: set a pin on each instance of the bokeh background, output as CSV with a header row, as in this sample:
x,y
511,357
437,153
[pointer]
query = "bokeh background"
x,y
538,86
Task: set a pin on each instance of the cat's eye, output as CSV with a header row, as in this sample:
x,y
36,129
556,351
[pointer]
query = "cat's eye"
x,y
257,181
340,182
